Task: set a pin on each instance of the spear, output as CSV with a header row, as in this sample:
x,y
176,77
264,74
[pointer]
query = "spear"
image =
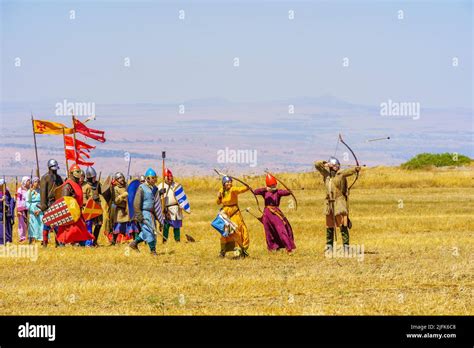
x,y
163,156
129,162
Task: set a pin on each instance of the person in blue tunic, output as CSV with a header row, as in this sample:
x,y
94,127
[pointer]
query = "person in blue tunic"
x,y
143,205
35,215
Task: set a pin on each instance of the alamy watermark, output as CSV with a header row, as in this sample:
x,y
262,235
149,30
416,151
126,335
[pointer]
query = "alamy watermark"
x,y
237,156
37,331
402,109
20,251
66,108
345,251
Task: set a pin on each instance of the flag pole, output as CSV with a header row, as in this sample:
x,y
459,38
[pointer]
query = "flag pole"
x,y
65,154
36,148
163,156
74,136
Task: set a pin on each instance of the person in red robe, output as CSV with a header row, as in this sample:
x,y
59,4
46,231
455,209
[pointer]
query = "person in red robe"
x,y
278,231
76,232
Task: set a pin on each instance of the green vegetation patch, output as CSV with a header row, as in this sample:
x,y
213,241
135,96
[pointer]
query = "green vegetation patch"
x,y
424,160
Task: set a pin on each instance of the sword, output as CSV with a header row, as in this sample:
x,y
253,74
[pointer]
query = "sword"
x,y
151,228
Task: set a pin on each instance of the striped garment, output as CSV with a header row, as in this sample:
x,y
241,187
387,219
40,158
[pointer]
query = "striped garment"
x,y
182,199
158,208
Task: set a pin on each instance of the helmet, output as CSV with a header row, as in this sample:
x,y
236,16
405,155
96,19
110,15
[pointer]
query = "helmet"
x,y
119,175
90,172
53,164
226,179
270,180
2,182
150,172
74,167
142,178
76,171
334,161
168,173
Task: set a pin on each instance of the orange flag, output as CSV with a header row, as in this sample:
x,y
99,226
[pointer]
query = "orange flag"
x,y
48,127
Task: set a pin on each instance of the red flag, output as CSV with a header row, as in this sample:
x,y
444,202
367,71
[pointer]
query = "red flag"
x,y
82,149
71,154
89,132
79,144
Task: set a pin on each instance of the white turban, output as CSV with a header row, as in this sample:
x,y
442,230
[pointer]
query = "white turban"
x,y
24,180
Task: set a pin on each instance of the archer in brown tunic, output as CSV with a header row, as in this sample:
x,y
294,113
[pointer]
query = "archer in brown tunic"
x,y
336,205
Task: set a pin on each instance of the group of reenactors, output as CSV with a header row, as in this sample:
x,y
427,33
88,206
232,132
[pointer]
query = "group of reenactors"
x,y
158,205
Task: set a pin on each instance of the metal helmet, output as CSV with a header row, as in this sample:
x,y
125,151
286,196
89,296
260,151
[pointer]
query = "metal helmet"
x,y
150,173
76,171
142,178
334,161
119,175
74,167
53,164
226,179
90,172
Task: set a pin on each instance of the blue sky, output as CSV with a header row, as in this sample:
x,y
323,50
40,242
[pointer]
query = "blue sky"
x,y
173,60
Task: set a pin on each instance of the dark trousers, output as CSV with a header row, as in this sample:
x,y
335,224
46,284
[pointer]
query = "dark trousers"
x,y
330,235
176,232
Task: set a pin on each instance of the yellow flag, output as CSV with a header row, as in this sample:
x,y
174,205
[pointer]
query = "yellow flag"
x,y
48,127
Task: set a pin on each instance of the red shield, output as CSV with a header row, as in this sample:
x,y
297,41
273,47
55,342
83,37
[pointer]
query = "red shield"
x,y
91,210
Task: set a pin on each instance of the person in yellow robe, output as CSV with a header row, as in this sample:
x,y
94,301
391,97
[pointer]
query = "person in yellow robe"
x,y
239,240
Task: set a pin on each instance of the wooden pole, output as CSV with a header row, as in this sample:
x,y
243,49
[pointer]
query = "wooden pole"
x,y
65,154
36,148
4,202
74,137
163,156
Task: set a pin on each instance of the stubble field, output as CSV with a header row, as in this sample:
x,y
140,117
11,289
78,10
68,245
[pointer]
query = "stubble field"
x,y
416,229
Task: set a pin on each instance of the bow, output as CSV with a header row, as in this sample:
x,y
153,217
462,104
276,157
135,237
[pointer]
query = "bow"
x,y
355,157
243,183
281,182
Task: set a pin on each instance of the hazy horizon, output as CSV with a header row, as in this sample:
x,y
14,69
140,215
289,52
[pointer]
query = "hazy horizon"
x,y
277,79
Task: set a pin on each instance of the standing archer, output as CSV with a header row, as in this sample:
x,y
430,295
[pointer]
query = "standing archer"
x,y
336,206
239,240
278,231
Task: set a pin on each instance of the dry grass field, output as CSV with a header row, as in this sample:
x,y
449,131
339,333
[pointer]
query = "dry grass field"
x,y
416,228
